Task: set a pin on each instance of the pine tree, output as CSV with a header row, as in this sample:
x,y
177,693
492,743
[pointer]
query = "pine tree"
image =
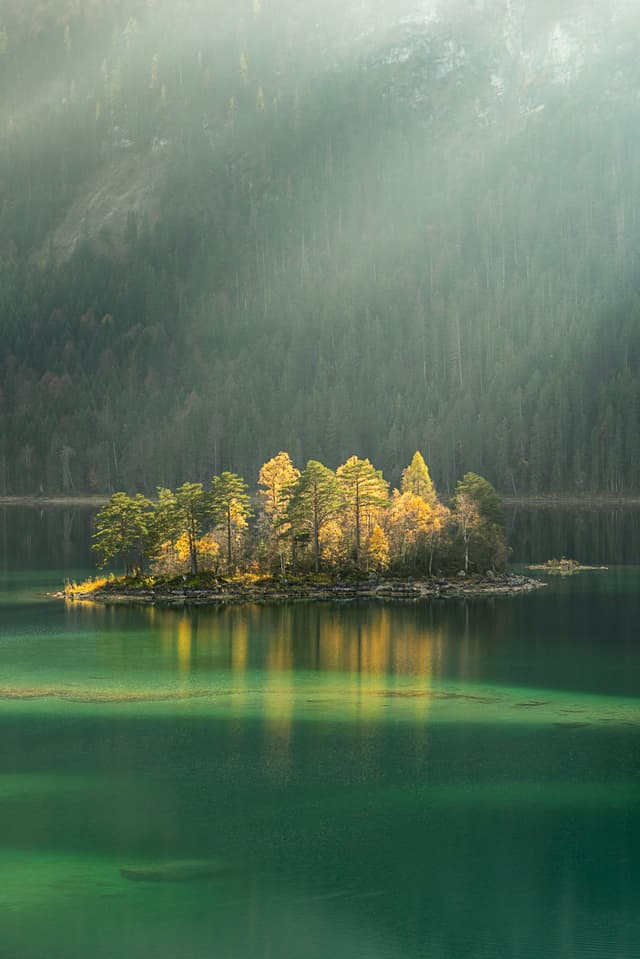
x,y
364,488
122,526
478,512
230,506
191,511
316,499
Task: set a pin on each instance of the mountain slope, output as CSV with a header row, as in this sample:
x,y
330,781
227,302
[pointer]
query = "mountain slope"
x,y
331,230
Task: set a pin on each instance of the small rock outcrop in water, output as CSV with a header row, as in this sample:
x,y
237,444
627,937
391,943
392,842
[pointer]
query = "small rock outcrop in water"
x,y
563,567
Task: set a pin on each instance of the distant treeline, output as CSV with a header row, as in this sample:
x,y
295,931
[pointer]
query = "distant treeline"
x,y
311,520
220,235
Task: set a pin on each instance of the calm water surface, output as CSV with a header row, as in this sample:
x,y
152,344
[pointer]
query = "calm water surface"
x,y
375,781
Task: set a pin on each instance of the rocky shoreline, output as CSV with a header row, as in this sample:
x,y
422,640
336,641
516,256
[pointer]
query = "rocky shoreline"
x,y
229,592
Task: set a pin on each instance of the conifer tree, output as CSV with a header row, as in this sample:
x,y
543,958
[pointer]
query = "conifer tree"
x,y
191,511
230,506
364,488
316,498
478,513
122,526
417,480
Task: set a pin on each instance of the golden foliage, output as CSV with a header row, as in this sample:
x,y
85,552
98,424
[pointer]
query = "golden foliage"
x,y
277,476
378,549
333,544
175,558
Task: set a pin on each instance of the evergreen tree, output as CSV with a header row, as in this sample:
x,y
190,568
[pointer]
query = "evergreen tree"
x,y
122,526
189,514
478,512
364,489
230,506
316,499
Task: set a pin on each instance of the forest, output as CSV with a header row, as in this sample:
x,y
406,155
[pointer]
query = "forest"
x,y
224,233
315,520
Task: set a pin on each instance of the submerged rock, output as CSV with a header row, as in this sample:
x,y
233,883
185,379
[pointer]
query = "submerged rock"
x,y
177,871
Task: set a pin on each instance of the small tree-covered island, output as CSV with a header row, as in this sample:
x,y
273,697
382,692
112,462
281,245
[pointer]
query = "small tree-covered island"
x,y
311,533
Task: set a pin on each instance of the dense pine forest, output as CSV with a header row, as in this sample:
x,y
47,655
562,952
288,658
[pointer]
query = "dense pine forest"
x,y
232,228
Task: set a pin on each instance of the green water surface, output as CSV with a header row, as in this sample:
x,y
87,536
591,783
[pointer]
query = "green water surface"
x,y
375,781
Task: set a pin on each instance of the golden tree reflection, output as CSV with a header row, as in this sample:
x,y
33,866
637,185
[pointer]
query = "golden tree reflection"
x,y
279,706
185,637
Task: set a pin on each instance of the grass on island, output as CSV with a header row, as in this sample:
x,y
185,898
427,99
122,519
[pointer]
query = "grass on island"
x,y
205,580
88,586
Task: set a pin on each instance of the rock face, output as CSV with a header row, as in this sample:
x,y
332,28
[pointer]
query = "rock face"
x,y
131,184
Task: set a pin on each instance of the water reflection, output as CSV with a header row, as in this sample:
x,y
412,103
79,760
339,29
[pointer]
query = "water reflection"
x,y
610,536
60,537
443,780
34,537
371,640
505,642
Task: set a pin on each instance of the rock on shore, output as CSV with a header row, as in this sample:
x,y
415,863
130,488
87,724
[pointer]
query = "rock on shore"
x,y
229,592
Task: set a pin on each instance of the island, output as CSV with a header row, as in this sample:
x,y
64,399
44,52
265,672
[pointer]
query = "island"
x,y
563,567
304,534
148,592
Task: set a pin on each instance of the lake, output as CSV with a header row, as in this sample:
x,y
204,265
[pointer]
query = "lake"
x,y
369,781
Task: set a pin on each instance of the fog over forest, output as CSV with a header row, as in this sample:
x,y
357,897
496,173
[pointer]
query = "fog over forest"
x,y
332,228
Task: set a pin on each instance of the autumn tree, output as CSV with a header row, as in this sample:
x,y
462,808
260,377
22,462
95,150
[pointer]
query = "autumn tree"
x,y
122,526
172,558
316,499
408,522
417,480
377,549
365,492
414,527
230,507
277,477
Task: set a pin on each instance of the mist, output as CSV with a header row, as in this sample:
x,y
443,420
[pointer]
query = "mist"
x,y
324,228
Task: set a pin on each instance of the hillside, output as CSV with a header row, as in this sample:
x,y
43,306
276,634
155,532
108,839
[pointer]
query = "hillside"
x,y
232,228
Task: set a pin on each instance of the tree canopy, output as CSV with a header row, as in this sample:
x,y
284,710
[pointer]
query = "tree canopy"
x,y
341,522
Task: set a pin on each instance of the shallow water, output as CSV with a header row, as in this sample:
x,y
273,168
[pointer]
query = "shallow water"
x,y
409,780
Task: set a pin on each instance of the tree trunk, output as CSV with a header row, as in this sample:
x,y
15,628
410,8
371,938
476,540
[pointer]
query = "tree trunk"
x,y
316,533
358,559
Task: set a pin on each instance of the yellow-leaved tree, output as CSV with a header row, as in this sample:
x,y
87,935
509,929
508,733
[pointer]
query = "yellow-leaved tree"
x,y
416,479
377,549
414,527
277,478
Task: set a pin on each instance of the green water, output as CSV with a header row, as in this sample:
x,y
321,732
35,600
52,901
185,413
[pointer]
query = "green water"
x,y
368,781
